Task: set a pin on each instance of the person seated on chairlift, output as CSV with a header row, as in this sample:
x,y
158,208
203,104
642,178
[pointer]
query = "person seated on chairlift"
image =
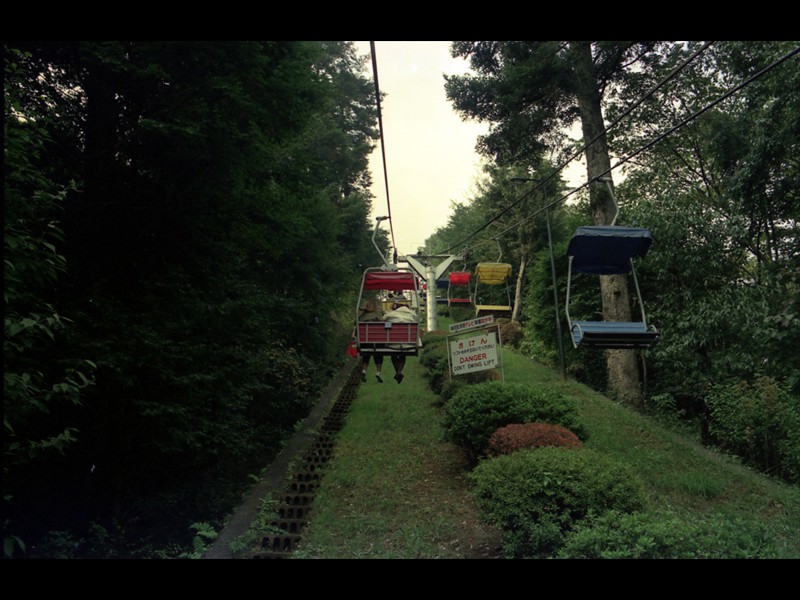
x,y
371,312
400,314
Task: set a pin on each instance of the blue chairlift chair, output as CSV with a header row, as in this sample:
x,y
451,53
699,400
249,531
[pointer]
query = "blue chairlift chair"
x,y
609,250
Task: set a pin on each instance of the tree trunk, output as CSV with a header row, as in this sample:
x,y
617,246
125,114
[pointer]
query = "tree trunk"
x,y
523,263
623,373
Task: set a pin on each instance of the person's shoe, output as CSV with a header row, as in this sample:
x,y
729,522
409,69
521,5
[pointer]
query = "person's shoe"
x,y
379,377
364,376
398,377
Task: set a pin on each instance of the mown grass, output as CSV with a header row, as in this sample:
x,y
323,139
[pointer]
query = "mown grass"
x,y
395,489
680,475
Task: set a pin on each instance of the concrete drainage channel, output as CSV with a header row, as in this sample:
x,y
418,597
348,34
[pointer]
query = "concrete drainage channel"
x,y
295,502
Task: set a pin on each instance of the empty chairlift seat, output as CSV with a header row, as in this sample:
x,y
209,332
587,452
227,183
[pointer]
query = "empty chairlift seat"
x,y
459,279
493,274
609,250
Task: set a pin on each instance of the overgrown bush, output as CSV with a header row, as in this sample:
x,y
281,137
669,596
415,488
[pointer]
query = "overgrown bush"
x,y
511,334
760,422
476,411
451,385
461,313
537,496
435,359
643,535
432,338
450,389
520,436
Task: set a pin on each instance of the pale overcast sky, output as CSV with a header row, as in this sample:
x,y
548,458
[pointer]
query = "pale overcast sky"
x,y
430,152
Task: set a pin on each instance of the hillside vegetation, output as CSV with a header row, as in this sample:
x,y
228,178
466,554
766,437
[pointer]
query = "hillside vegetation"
x,y
396,490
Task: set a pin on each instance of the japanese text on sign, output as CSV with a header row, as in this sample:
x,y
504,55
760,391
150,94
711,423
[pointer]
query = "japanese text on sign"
x,y
476,353
472,323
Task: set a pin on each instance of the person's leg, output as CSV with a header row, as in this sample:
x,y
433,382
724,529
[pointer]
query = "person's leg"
x,y
378,358
364,365
398,361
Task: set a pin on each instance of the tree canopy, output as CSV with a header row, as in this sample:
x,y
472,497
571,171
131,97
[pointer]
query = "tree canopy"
x,y
707,133
199,211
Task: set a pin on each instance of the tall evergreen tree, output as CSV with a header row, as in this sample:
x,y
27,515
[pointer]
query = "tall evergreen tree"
x,y
720,196
221,190
532,92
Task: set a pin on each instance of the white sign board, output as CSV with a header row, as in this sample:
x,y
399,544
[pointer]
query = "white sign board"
x,y
472,324
476,353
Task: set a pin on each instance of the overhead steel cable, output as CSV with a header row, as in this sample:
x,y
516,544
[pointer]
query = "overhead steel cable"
x,y
383,144
580,152
650,144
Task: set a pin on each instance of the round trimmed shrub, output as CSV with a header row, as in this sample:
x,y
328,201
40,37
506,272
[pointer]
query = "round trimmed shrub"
x,y
520,436
475,412
451,385
643,535
537,496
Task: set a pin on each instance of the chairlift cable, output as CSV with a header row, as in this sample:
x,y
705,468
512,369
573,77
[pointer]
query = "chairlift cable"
x,y
621,162
580,152
383,144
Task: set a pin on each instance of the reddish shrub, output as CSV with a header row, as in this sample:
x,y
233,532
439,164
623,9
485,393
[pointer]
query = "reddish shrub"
x,y
517,436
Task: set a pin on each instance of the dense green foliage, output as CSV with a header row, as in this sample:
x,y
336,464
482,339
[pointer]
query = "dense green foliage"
x,y
646,535
474,413
434,357
721,199
388,501
41,378
199,211
719,193
759,422
538,496
183,220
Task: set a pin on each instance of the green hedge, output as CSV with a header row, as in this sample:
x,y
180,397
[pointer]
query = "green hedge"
x,y
475,412
537,496
644,535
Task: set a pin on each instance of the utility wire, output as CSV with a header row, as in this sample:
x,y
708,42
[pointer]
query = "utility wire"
x,y
383,144
651,143
580,152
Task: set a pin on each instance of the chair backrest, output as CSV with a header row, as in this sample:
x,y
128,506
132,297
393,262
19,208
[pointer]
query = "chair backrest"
x,y
492,273
607,250
460,278
393,281
372,332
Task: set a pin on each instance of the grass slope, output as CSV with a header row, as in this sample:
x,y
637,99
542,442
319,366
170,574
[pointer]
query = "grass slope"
x,y
396,490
